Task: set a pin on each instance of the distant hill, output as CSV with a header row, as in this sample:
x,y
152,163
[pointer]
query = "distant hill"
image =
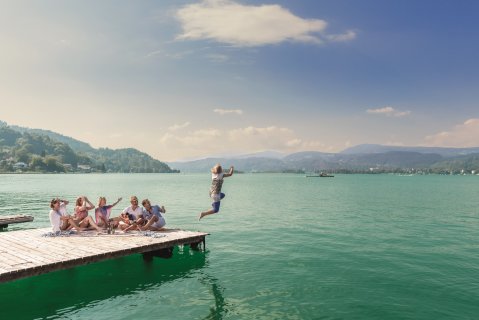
x,y
76,145
263,154
311,161
376,148
46,151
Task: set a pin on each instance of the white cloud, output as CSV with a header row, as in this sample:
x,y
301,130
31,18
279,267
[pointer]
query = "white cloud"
x,y
194,138
155,53
228,111
217,57
271,138
241,25
347,36
462,135
293,142
238,140
389,111
179,126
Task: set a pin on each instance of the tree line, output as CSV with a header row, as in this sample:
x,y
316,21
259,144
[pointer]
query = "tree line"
x,y
35,152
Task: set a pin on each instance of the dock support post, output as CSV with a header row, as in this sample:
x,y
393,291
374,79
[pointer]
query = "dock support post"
x,y
165,253
196,245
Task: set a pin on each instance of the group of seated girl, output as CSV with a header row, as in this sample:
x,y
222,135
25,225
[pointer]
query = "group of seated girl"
x,y
132,217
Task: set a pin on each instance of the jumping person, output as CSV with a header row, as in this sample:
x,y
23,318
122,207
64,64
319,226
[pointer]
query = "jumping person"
x,y
216,195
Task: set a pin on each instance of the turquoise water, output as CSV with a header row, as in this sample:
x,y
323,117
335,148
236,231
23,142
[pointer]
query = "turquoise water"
x,y
282,247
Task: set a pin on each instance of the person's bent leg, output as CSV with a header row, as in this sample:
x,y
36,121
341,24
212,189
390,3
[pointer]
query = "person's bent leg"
x,y
132,226
215,208
74,224
149,223
159,225
64,225
92,223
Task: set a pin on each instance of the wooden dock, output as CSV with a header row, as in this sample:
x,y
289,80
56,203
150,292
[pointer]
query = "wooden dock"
x,y
27,253
6,220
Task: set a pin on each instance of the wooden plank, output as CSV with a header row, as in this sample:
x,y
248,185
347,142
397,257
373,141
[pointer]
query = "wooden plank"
x,y
26,253
49,251
6,220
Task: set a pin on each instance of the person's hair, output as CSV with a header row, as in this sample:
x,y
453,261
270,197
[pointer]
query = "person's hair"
x,y
100,199
145,201
133,198
217,169
52,203
79,201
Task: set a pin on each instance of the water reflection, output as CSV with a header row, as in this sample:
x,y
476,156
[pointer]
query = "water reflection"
x,y
57,294
219,310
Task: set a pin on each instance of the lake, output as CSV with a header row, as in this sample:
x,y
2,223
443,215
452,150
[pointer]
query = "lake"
x,y
283,246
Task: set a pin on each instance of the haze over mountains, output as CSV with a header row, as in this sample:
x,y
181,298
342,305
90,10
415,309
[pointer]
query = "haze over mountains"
x,y
361,158
376,148
36,145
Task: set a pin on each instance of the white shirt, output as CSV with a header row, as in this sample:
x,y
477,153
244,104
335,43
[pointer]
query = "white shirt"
x,y
55,216
216,183
137,212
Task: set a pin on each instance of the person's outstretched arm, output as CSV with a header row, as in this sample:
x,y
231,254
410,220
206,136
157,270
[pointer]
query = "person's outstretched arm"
x,y
91,204
117,201
230,173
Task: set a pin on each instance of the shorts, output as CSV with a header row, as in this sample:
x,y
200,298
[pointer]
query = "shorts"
x,y
217,201
160,223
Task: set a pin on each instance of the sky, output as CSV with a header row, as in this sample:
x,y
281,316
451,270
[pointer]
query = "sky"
x,y
190,79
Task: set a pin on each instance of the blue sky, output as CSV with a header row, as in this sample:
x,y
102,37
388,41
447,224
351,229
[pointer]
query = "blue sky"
x,y
188,79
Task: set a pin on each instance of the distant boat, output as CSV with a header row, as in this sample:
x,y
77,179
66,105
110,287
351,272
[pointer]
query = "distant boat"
x,y
321,175
325,175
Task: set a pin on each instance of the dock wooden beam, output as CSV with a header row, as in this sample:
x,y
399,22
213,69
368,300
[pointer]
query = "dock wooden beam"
x,y
6,220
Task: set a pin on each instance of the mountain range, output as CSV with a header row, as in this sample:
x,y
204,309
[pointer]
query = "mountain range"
x,y
46,151
360,158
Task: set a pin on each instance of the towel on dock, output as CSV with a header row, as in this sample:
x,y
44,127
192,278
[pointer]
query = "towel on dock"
x,y
58,234
83,234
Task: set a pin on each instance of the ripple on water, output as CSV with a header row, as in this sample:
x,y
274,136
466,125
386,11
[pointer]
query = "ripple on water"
x,y
282,247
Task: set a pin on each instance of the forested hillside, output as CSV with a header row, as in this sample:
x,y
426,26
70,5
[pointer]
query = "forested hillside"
x,y
35,150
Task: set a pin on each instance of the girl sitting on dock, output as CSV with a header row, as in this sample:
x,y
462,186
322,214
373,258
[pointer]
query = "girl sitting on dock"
x,y
216,195
152,214
103,211
81,216
59,219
